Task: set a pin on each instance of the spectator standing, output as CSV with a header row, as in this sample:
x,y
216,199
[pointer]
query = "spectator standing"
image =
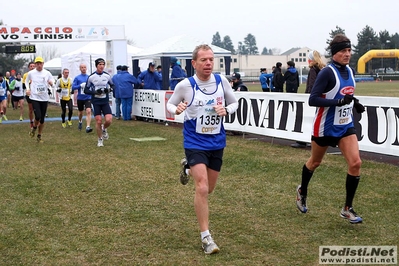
x,y
177,74
291,78
315,65
265,80
149,79
116,93
64,88
83,100
278,78
159,72
271,80
203,98
238,85
37,88
126,83
17,96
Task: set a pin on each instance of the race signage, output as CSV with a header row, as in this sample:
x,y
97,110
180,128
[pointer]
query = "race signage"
x,y
51,33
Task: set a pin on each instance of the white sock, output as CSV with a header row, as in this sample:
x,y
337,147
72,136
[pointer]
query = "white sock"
x,y
187,171
204,234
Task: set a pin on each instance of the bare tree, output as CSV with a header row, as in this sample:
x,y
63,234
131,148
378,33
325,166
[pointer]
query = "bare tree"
x,y
130,42
47,52
276,51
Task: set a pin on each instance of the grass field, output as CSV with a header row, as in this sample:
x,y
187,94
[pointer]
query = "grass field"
x,y
68,202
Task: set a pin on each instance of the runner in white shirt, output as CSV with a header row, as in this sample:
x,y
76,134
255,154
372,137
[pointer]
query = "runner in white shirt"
x,y
37,88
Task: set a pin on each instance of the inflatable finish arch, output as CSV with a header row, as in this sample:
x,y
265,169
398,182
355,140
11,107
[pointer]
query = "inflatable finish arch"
x,y
361,64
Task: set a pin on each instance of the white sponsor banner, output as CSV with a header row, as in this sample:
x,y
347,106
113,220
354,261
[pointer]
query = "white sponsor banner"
x,y
57,33
362,255
288,116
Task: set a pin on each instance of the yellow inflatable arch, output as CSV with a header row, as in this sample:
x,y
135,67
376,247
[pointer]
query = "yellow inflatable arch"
x,y
361,64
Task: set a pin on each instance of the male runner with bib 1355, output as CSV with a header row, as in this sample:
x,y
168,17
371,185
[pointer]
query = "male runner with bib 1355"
x,y
206,98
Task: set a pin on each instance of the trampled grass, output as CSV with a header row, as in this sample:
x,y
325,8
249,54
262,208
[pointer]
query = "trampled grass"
x,y
68,202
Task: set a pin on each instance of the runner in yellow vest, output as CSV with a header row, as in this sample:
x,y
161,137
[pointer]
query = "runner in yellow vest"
x,y
64,86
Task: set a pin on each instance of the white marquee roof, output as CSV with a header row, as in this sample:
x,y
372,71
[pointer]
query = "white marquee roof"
x,y
53,63
98,48
179,46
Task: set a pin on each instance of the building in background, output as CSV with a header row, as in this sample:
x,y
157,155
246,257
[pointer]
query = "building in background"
x,y
249,65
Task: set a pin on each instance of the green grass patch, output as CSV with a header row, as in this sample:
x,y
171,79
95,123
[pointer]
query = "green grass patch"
x,y
381,89
69,202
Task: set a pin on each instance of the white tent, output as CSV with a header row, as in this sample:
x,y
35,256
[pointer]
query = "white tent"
x,y
179,46
53,63
88,54
54,66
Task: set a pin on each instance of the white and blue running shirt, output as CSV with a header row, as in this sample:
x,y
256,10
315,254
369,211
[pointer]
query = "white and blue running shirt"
x,y
334,121
203,128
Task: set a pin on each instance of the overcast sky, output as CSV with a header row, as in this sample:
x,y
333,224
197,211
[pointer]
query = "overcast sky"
x,y
281,24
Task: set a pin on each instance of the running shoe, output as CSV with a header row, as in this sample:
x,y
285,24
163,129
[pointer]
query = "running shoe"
x,y
300,200
5,118
100,143
1,119
105,134
69,123
80,126
209,246
351,215
63,125
21,118
39,139
183,176
89,129
32,132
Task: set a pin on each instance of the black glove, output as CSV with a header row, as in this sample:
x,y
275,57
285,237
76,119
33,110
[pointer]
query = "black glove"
x,y
71,92
16,88
358,106
106,90
49,92
346,100
59,90
99,91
